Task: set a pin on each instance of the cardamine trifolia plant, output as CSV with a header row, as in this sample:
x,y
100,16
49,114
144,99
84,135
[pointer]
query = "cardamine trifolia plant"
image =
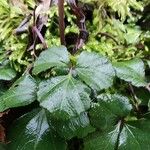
x,y
70,97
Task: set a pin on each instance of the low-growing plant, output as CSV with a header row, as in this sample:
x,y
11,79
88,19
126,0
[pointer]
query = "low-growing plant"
x,y
67,98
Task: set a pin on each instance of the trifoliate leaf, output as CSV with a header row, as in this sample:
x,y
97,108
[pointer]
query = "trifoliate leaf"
x,y
64,96
131,71
22,92
95,70
123,136
32,132
52,57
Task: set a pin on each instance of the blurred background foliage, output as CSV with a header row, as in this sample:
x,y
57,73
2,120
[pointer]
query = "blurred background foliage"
x,y
119,29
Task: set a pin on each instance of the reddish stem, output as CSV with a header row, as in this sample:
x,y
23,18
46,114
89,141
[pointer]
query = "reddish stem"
x,y
61,21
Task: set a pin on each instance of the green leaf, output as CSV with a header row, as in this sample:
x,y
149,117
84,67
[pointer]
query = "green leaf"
x,y
52,57
109,109
7,73
64,96
95,70
131,71
123,136
32,132
103,140
22,92
74,127
135,135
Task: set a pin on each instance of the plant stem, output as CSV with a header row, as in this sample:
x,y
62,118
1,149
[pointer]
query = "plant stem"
x,y
61,21
135,99
109,36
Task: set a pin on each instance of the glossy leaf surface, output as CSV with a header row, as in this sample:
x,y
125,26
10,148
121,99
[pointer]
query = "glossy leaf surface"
x,y
74,127
103,140
22,92
109,109
95,70
52,57
135,135
131,71
64,96
125,135
32,132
